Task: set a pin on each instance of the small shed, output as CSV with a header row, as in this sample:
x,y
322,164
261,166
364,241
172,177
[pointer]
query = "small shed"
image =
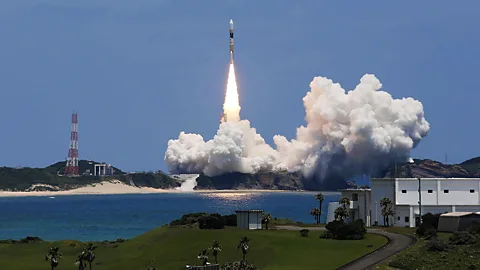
x,y
249,219
457,221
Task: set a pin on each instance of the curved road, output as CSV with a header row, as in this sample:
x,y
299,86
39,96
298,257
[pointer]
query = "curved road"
x,y
396,243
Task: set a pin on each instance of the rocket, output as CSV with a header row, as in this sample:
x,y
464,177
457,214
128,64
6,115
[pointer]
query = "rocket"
x,y
231,41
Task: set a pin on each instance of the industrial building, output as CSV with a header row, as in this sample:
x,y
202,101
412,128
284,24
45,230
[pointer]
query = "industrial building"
x,y
249,219
412,197
457,221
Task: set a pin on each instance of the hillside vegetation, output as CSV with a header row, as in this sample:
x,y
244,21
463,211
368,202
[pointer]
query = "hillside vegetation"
x,y
21,179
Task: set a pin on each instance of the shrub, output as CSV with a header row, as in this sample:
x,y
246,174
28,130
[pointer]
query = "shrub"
x,y
304,232
326,235
214,221
431,219
30,239
474,228
462,238
230,220
352,231
334,226
437,245
430,233
423,228
204,219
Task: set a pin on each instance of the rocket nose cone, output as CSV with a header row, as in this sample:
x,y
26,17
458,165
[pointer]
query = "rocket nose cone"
x,y
231,21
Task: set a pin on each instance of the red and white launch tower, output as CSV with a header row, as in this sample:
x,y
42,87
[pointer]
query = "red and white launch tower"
x,y
72,160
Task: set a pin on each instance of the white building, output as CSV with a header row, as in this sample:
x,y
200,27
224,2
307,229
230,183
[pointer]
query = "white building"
x,y
359,207
438,195
249,219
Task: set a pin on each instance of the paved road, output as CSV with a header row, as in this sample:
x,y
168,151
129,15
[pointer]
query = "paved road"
x,y
396,243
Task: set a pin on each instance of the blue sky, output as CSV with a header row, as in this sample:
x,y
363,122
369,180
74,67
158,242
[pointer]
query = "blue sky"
x,y
139,72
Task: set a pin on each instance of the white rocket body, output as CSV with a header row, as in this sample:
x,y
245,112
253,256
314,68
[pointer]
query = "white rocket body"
x,y
231,41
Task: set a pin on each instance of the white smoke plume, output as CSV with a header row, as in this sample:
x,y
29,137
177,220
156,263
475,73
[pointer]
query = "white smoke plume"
x,y
354,132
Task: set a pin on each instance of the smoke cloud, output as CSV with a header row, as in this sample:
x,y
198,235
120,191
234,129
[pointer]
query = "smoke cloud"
x,y
347,133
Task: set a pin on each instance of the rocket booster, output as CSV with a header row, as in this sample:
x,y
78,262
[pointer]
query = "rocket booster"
x,y
231,41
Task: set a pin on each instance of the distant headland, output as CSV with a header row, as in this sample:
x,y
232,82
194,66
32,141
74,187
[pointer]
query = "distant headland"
x,y
44,181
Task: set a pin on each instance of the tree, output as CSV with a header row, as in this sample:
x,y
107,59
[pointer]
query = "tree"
x,y
340,213
344,201
216,248
387,210
315,212
320,198
53,256
203,256
243,244
88,254
266,218
81,261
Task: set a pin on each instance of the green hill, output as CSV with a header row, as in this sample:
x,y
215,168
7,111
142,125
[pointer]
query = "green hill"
x,y
173,248
21,179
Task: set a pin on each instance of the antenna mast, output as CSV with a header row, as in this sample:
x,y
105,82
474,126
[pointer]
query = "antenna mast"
x,y
71,167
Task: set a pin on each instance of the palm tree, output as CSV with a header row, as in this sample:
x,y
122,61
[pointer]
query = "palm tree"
x,y
81,261
53,255
340,213
344,201
315,212
203,256
320,200
88,254
243,244
387,210
266,218
216,248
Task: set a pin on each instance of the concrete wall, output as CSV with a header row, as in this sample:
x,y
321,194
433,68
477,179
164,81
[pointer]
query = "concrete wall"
x,y
437,191
380,189
255,221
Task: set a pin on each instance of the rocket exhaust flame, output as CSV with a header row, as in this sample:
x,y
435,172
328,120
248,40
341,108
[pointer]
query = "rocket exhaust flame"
x,y
231,106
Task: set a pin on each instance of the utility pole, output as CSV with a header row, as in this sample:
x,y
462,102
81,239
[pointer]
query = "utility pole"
x,y
420,199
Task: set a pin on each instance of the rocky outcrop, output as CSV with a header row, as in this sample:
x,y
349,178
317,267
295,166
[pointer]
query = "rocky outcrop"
x,y
430,168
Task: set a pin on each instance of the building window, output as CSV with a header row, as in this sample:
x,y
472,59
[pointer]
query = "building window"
x,y
472,191
398,218
404,191
407,219
354,197
430,191
445,191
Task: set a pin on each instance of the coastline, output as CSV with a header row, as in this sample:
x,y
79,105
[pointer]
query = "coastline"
x,y
116,187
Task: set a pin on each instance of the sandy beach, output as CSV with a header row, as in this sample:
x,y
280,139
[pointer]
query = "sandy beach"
x,y
117,187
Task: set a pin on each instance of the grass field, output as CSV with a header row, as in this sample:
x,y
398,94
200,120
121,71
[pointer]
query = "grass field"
x,y
173,248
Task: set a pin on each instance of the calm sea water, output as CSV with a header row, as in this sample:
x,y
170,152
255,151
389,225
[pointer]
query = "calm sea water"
x,y
108,217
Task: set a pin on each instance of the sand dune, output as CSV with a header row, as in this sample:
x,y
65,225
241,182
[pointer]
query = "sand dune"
x,y
106,187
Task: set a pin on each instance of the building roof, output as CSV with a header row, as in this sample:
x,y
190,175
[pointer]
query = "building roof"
x,y
458,214
249,211
356,189
425,179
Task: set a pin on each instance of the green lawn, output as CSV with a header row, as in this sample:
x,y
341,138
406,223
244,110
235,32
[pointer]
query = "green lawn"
x,y
173,248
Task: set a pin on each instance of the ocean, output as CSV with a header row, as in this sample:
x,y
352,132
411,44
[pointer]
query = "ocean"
x,y
108,217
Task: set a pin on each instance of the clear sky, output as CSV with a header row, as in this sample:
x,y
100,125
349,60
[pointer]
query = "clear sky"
x,y
139,72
